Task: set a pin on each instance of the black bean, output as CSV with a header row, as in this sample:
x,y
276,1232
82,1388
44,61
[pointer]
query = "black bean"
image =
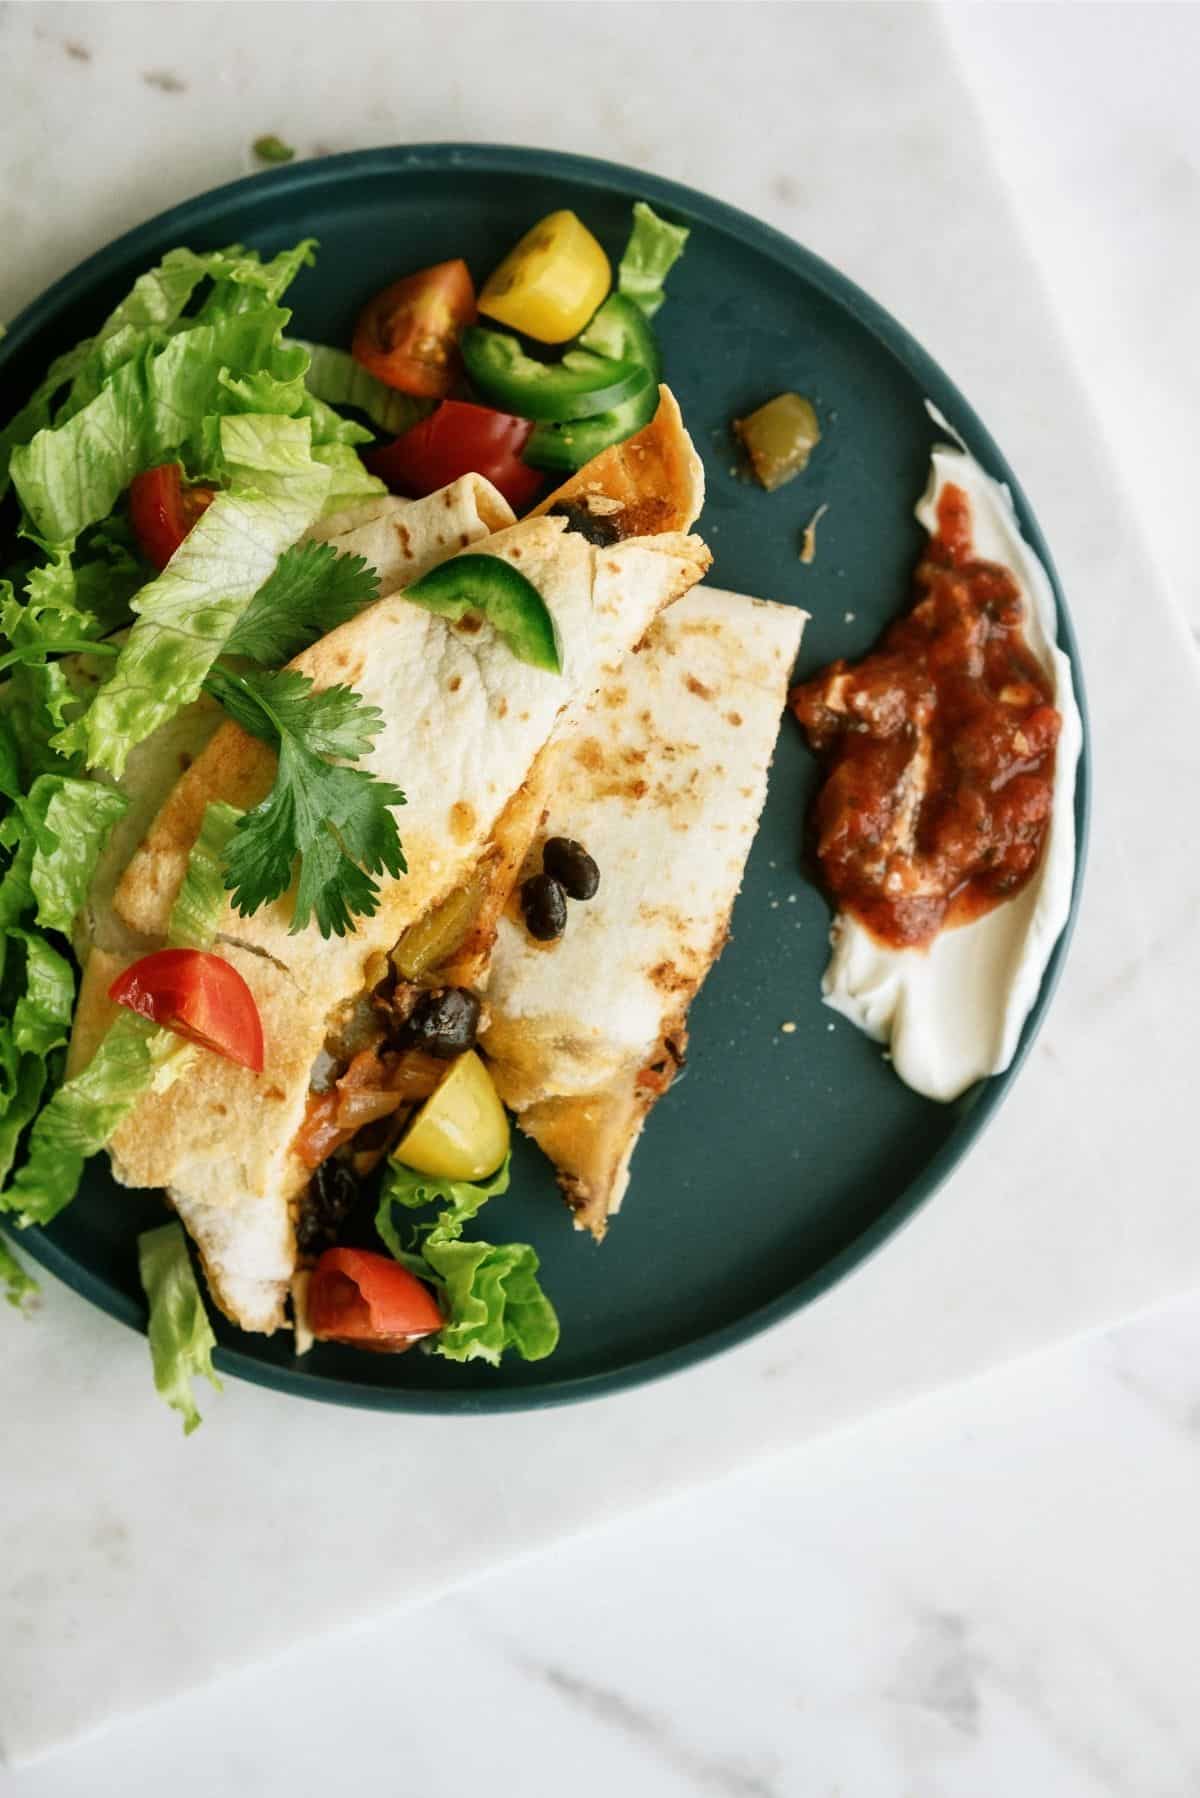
x,y
571,866
597,528
324,1207
444,1023
545,907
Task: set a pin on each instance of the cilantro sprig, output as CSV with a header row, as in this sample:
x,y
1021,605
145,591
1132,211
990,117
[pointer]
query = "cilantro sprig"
x,y
336,820
313,589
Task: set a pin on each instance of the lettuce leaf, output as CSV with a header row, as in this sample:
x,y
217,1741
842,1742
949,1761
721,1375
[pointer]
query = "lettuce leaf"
x,y
140,390
41,1019
11,786
81,1117
36,413
653,249
18,1286
20,1108
134,1054
56,832
184,617
144,321
21,832
78,818
181,1337
149,410
348,479
200,902
489,1292
38,1022
336,379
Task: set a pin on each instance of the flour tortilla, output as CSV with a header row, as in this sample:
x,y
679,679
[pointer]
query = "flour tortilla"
x,y
662,777
652,482
402,539
464,725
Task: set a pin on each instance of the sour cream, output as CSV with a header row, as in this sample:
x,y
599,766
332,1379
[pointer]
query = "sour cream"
x,y
952,1012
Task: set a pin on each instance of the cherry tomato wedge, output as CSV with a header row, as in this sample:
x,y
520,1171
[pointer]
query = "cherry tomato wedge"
x,y
199,996
408,335
357,1297
163,509
455,440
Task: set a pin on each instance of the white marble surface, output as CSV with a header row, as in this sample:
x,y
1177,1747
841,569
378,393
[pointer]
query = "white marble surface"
x,y
991,1592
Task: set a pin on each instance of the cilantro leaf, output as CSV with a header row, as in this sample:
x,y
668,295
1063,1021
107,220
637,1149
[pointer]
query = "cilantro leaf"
x,y
336,820
312,589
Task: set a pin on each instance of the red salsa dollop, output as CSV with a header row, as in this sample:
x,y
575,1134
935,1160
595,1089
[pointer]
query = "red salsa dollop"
x,y
938,748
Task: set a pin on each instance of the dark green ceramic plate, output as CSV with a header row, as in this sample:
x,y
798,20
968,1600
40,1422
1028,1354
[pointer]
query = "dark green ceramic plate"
x,y
779,1161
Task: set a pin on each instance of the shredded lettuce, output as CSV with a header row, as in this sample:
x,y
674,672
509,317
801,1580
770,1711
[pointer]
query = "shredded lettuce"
x,y
19,1287
653,249
41,1019
335,378
81,1117
489,1292
181,1337
79,816
134,335
10,761
133,1055
200,902
184,617
148,411
348,479
20,1108
37,993
57,832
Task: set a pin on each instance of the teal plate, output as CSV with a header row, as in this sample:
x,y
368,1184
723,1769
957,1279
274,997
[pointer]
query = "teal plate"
x,y
779,1161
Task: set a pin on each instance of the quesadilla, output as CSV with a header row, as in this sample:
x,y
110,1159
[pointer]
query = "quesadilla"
x,y
465,724
402,539
661,778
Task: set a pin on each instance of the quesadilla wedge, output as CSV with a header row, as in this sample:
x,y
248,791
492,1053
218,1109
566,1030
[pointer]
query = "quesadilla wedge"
x,y
662,778
402,539
654,481
464,723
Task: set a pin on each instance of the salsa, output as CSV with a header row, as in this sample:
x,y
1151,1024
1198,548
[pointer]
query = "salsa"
x,y
939,750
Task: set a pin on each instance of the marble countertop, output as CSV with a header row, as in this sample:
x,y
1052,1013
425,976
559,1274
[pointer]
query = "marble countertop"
x,y
990,1591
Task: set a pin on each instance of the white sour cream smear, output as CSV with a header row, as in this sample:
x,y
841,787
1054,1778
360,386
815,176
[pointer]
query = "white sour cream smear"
x,y
952,1012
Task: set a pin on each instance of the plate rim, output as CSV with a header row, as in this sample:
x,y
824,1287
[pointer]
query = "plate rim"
x,y
442,157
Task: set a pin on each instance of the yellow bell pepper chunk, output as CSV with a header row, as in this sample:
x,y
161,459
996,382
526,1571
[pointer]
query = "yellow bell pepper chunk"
x,y
550,285
461,1131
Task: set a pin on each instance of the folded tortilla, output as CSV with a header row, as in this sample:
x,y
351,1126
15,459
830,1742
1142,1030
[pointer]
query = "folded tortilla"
x,y
403,539
465,723
661,777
